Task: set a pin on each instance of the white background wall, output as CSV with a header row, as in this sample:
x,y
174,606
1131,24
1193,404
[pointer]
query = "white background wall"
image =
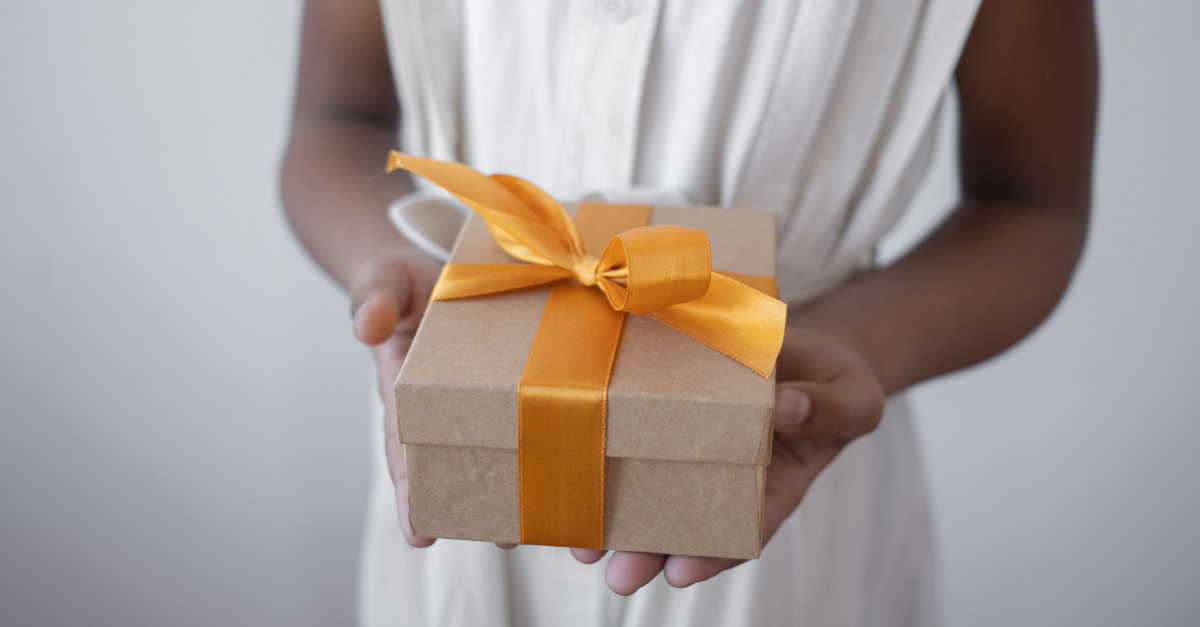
x,y
182,409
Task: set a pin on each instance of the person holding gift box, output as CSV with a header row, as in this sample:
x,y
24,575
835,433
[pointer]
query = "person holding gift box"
x,y
822,111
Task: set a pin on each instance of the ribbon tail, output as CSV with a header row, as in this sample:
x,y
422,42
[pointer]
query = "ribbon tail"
x,y
466,280
734,318
764,283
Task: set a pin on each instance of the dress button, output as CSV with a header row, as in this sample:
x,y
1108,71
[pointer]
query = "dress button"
x,y
615,10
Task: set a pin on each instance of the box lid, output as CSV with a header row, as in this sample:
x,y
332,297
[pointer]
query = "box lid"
x,y
670,396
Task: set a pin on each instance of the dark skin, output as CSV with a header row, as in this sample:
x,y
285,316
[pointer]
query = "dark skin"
x,y
984,279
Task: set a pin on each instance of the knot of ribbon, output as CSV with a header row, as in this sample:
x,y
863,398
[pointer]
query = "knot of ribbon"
x,y
661,271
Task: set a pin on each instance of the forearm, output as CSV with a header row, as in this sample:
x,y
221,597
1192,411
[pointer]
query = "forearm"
x,y
344,123
335,193
1027,87
978,284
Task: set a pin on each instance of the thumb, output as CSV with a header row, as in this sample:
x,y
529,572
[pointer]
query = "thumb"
x,y
792,408
849,405
388,291
376,312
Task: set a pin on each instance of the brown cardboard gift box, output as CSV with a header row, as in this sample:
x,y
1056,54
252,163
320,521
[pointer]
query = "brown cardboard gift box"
x,y
688,428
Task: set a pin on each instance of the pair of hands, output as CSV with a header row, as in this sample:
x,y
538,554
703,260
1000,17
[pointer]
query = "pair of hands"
x,y
827,397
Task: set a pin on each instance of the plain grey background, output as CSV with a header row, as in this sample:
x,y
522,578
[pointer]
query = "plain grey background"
x,y
183,411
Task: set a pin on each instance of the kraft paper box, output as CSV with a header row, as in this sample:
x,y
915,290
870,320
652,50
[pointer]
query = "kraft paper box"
x,y
688,428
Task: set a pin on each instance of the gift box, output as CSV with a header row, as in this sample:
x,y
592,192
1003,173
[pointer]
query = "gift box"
x,y
666,454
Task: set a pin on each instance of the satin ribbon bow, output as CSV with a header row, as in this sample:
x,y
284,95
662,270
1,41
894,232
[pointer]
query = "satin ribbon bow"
x,y
664,271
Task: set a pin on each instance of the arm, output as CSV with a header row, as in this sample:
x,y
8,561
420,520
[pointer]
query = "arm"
x,y
335,196
985,278
996,267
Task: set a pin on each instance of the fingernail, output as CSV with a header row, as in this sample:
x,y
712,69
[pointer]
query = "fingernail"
x,y
363,306
793,405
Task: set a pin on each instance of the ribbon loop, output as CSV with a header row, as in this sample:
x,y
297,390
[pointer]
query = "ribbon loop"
x,y
650,268
524,220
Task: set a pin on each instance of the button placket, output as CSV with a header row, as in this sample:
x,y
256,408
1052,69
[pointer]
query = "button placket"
x,y
615,10
611,54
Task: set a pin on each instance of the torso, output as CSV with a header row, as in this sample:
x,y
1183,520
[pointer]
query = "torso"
x,y
821,110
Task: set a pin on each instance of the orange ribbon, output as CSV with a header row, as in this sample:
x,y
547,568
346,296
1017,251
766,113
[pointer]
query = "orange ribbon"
x,y
661,271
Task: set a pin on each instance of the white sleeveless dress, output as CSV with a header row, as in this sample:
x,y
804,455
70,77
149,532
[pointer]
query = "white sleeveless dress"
x,y
821,110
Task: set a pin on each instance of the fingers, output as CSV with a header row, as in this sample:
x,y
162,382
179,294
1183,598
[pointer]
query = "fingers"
x,y
627,572
395,460
385,291
588,556
376,312
402,512
792,407
381,299
394,451
682,570
848,406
